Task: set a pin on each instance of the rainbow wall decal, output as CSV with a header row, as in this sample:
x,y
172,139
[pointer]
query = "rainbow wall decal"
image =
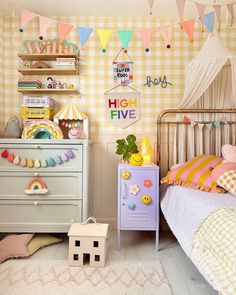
x,y
36,186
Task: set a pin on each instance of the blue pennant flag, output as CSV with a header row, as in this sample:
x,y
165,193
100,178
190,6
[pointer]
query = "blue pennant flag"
x,y
83,34
209,21
217,123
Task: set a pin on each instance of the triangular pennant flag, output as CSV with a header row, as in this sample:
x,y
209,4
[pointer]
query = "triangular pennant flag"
x,y
209,126
146,35
188,26
200,125
193,123
166,33
186,120
44,24
224,120
64,29
201,10
83,34
217,123
180,6
104,36
217,9
26,16
231,11
150,5
125,37
209,20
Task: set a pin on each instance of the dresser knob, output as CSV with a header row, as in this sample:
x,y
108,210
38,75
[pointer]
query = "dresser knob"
x,y
36,203
72,221
36,146
36,174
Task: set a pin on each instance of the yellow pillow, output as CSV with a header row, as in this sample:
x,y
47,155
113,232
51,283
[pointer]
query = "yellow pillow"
x,y
41,240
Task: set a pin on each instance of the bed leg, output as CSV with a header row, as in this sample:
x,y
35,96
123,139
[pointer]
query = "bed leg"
x,y
118,239
157,239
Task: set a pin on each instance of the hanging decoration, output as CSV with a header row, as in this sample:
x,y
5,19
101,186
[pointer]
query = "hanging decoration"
x,y
122,108
64,29
83,34
150,2
217,123
51,161
146,35
209,21
36,186
125,36
188,27
166,33
122,71
104,36
231,11
25,17
44,24
201,10
217,9
180,6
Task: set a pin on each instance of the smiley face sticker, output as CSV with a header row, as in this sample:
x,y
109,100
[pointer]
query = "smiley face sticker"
x,y
146,200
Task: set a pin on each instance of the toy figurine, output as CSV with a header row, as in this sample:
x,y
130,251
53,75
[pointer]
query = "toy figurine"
x,y
12,129
65,86
58,84
49,83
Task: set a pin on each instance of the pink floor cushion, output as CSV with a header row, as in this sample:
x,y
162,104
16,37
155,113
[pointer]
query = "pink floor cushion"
x,y
221,169
13,246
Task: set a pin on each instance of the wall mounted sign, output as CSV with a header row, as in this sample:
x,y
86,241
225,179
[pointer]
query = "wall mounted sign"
x,y
123,72
157,81
49,46
122,109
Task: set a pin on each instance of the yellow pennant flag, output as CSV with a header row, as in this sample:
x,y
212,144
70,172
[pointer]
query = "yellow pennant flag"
x,y
104,36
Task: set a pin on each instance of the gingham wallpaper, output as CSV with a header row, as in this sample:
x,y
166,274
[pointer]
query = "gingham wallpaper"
x,y
96,67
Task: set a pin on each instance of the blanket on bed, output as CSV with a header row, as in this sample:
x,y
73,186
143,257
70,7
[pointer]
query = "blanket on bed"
x,y
214,247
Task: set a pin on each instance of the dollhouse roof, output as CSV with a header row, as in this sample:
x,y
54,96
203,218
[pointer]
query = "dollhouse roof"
x,y
202,73
88,230
71,111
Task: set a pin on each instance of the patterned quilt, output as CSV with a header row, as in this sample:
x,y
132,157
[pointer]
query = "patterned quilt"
x,y
214,247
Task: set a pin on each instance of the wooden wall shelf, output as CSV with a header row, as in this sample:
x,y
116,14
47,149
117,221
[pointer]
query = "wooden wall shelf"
x,y
45,56
48,90
47,71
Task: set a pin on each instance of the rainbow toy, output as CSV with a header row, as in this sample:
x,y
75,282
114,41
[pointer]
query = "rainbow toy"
x,y
42,129
36,186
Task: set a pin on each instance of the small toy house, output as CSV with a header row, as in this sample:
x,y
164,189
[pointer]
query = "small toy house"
x,y
88,244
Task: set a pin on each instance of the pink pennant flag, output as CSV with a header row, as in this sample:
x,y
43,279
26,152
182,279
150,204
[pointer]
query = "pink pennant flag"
x,y
64,29
201,10
44,24
188,26
217,9
150,5
231,11
166,33
193,123
26,16
180,6
146,35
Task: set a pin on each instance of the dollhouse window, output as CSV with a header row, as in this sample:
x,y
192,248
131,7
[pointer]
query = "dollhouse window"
x,y
77,243
95,244
97,257
76,256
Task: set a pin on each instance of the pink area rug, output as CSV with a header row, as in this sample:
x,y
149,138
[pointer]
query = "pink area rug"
x,y
39,277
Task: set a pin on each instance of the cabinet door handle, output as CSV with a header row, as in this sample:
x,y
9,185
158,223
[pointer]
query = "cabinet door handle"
x,y
36,203
36,174
36,146
124,191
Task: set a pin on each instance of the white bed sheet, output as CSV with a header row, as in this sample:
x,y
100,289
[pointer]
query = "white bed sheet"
x,y
185,209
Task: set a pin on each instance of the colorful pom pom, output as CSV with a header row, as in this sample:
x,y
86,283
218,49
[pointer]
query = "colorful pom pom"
x,y
30,163
103,50
51,162
57,159
125,50
64,157
4,154
69,154
40,37
10,157
147,49
16,161
23,162
44,163
168,46
37,164
21,30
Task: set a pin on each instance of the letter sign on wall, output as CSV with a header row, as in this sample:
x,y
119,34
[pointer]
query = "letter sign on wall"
x,y
122,109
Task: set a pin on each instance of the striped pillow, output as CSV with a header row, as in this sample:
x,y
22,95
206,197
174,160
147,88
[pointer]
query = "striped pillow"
x,y
196,173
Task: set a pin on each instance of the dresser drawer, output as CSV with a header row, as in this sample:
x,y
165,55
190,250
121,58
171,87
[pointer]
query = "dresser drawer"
x,y
59,185
38,216
43,152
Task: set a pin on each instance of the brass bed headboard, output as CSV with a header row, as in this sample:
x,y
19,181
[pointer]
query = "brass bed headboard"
x,y
169,124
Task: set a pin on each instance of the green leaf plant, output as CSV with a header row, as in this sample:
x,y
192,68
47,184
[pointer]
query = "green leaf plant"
x,y
126,147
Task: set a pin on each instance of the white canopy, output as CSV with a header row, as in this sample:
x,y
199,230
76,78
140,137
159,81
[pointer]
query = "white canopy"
x,y
211,77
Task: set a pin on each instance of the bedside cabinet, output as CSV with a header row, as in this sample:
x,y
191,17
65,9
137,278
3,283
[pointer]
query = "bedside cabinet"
x,y
138,199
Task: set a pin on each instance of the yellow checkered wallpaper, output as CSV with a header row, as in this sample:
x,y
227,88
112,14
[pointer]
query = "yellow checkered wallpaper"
x,y
96,67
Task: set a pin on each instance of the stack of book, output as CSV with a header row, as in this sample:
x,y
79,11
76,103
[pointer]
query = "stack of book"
x,y
29,83
65,62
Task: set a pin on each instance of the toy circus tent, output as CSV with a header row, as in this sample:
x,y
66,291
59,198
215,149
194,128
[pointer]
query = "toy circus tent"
x,y
210,78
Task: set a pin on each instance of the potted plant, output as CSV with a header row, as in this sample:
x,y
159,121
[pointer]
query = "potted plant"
x,y
126,147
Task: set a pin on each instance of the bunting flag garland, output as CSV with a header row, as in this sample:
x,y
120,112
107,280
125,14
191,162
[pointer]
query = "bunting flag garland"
x,y
201,125
104,36
193,123
83,34
26,16
166,33
231,11
217,9
209,21
64,29
201,10
209,126
188,27
125,36
186,120
150,5
146,35
217,123
44,24
180,6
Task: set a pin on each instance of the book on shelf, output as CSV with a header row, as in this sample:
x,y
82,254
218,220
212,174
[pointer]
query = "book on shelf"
x,y
65,59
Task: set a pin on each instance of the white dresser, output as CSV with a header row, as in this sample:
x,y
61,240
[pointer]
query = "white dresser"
x,y
67,199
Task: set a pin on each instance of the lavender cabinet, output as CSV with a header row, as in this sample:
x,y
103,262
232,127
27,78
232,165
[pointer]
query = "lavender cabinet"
x,y
138,199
